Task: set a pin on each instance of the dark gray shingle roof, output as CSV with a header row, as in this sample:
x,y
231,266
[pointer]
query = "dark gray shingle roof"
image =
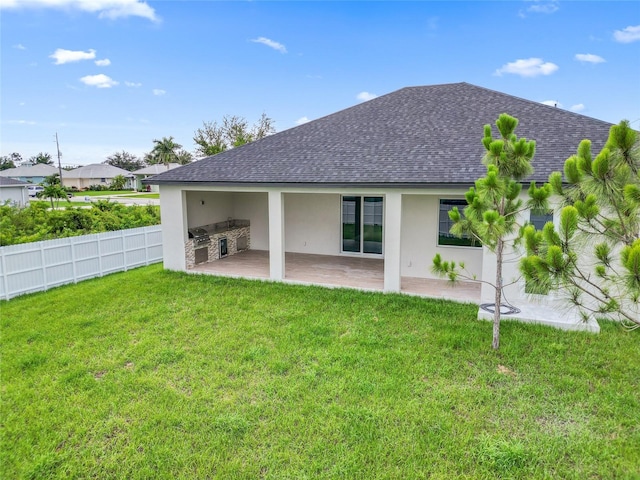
x,y
10,182
413,136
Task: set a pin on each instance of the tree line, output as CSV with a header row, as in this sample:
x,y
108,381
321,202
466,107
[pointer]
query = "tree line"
x,y
212,138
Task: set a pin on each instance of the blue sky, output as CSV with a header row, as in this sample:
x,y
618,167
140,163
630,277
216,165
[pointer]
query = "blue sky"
x,y
111,75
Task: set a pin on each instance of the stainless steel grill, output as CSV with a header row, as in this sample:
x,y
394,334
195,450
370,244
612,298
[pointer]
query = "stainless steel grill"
x,y
200,237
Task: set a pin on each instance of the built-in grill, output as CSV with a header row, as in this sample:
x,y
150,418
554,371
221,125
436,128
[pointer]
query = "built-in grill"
x,y
200,237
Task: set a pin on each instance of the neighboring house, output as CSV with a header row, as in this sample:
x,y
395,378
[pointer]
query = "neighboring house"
x,y
30,173
149,172
95,174
14,191
374,181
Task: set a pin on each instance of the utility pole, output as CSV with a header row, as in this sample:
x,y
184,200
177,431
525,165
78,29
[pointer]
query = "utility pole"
x,y
59,164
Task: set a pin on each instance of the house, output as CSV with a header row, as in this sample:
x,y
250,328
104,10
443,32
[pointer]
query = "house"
x,y
150,171
360,197
14,192
95,174
30,173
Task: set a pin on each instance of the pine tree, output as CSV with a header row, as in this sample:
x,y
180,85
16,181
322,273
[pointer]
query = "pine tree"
x,y
494,203
593,256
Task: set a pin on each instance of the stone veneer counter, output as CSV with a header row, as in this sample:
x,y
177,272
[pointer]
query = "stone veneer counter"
x,y
235,229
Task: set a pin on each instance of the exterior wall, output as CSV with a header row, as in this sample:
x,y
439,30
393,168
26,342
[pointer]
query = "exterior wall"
x,y
173,211
419,240
85,183
312,223
15,194
204,208
253,206
143,188
71,182
515,293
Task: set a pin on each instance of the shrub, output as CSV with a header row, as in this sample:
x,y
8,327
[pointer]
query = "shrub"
x,y
36,222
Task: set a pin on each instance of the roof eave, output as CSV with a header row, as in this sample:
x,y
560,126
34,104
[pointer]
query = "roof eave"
x,y
400,185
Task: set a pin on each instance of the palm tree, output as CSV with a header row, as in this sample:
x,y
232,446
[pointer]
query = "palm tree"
x,y
53,190
164,151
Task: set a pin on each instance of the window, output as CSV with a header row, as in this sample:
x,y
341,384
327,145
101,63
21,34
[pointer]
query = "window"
x,y
103,180
362,224
445,237
539,218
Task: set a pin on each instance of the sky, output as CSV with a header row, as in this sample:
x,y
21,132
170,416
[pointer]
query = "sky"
x,y
113,75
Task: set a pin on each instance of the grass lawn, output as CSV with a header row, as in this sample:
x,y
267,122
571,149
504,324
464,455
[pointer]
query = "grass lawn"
x,y
99,193
155,374
145,195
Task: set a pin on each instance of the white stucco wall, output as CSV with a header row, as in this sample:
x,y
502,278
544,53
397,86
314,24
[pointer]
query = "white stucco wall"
x,y
204,208
312,223
16,194
254,206
420,238
173,212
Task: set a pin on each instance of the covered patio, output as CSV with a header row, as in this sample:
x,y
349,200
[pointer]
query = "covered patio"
x,y
336,271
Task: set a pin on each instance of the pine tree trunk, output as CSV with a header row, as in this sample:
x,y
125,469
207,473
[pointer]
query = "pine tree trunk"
x,y
498,297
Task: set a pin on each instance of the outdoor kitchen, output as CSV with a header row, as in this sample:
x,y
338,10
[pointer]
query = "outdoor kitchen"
x,y
208,243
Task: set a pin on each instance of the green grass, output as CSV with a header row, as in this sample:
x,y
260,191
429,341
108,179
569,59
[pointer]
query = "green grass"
x,y
156,374
98,193
145,195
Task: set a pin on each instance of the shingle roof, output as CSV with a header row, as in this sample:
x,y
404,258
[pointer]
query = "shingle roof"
x,y
413,136
38,170
10,182
96,170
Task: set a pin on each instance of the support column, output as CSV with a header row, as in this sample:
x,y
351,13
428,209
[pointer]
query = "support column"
x,y
276,236
392,228
173,211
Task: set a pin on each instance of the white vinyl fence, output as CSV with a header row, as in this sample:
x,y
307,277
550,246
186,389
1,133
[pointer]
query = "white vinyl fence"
x,y
38,266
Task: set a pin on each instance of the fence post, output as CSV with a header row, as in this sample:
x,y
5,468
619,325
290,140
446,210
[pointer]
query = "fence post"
x,y
99,254
146,246
73,259
44,266
124,249
5,274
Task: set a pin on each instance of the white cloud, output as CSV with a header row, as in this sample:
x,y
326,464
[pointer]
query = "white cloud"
x,y
531,67
100,81
111,9
542,6
22,122
552,103
364,96
627,35
103,63
133,84
432,23
589,58
19,46
270,43
302,120
158,92
577,107
62,56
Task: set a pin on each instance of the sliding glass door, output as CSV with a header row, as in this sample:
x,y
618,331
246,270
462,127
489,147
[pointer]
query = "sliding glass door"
x,y
362,224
